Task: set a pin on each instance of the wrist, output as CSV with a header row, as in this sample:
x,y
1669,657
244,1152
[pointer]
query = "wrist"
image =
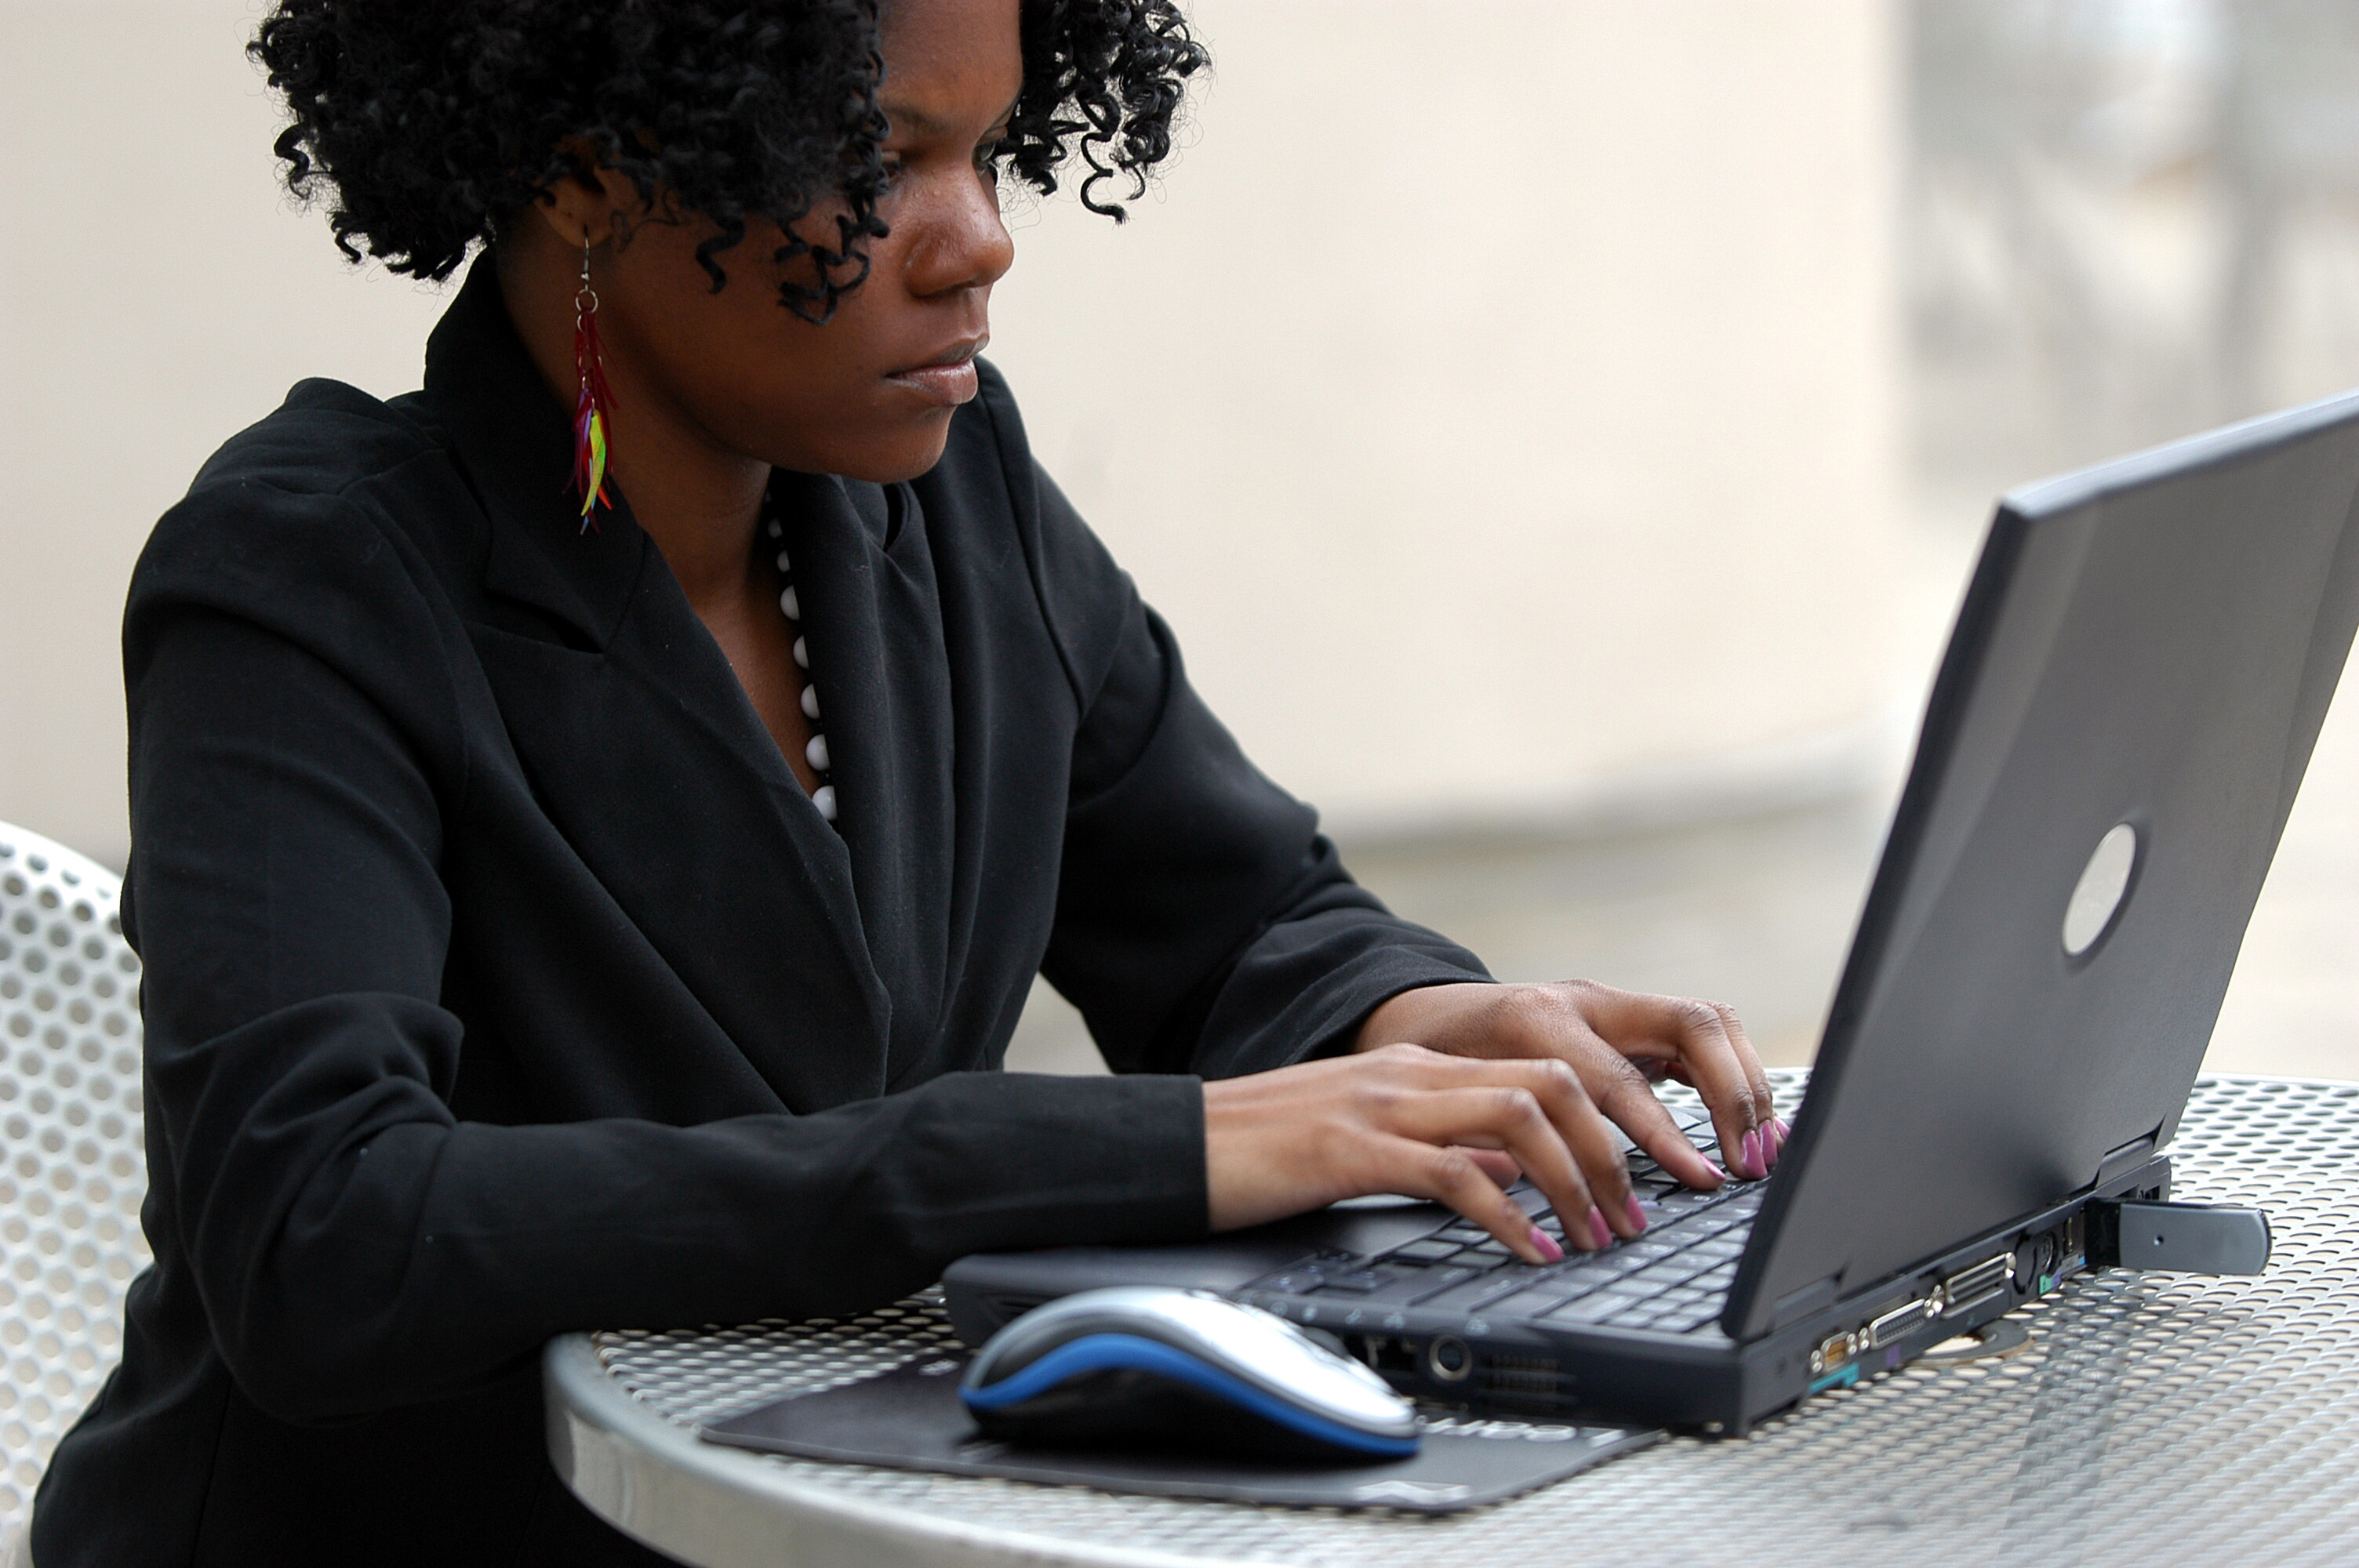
x,y
1421,1015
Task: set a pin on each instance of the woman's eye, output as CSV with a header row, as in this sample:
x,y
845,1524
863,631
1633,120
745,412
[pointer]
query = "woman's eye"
x,y
986,155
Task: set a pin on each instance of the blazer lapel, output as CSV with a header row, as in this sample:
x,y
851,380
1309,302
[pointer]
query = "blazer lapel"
x,y
642,747
887,705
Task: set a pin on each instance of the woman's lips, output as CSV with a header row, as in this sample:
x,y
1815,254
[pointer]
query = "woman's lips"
x,y
947,379
947,384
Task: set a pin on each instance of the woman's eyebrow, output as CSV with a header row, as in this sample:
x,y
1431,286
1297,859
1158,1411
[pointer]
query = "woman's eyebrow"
x,y
924,123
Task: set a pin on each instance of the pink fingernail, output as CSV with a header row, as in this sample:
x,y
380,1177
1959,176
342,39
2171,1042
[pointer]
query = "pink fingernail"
x,y
1768,1144
1547,1244
1715,1166
1598,1231
1748,1156
1637,1215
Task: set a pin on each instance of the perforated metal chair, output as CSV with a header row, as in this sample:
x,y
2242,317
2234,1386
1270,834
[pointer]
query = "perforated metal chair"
x,y
72,1167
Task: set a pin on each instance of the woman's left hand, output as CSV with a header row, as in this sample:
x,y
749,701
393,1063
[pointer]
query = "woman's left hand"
x,y
1620,1043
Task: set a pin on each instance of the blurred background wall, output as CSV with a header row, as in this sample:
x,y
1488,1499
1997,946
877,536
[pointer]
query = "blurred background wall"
x,y
1558,428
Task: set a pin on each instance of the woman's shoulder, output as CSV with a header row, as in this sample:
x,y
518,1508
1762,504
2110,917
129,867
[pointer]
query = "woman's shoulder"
x,y
307,520
324,439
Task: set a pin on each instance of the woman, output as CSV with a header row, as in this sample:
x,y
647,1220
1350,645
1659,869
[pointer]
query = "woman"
x,y
588,868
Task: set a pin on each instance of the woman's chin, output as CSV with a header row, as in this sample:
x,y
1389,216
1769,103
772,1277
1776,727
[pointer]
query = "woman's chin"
x,y
908,453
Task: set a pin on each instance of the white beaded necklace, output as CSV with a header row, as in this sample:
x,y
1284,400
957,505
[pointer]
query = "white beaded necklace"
x,y
815,752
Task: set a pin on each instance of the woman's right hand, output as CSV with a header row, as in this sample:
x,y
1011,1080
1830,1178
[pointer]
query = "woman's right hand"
x,y
1406,1119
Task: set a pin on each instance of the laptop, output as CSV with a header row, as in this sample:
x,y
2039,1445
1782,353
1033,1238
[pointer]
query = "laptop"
x,y
2138,671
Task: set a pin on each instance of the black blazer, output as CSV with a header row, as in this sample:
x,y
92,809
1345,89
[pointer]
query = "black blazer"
x,y
501,980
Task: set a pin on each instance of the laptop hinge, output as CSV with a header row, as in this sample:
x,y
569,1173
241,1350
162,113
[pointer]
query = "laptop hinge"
x,y
1810,1298
2121,1161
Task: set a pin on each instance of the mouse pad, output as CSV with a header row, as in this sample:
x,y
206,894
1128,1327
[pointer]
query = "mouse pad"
x,y
910,1419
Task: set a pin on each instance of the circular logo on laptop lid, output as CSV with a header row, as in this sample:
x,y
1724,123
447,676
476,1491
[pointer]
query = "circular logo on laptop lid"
x,y
2097,896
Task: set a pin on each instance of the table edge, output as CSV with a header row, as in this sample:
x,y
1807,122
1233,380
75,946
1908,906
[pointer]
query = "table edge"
x,y
661,1485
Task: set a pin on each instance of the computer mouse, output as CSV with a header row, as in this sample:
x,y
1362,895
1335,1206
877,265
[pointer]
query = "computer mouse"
x,y
1134,1367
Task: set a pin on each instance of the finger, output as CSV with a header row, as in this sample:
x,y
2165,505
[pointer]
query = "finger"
x,y
1510,1117
1553,1039
1587,1130
1617,1085
1721,1078
1773,1128
1497,1165
1696,1035
1595,1180
1629,1100
1453,1176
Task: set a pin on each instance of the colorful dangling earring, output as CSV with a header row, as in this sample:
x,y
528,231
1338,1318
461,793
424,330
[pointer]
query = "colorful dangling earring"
x,y
591,408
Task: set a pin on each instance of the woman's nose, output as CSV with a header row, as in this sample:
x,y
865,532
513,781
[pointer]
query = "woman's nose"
x,y
961,242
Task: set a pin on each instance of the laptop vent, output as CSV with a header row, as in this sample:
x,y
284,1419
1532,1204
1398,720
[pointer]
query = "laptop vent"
x,y
1522,1376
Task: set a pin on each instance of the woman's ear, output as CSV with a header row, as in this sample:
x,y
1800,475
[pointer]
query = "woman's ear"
x,y
591,205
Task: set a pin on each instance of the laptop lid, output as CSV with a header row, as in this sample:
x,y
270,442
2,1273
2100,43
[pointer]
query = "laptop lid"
x,y
2142,662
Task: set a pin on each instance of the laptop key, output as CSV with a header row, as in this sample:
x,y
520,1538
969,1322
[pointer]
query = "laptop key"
x,y
1587,1309
1436,1281
1401,1287
1432,1249
1524,1304
1299,1282
1359,1283
1575,1283
1634,1317
1471,1294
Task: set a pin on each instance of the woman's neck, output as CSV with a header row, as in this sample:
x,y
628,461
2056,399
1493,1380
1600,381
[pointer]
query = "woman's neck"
x,y
699,500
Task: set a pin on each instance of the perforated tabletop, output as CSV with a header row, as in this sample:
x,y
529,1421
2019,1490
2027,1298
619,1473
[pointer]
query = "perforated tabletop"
x,y
2157,1418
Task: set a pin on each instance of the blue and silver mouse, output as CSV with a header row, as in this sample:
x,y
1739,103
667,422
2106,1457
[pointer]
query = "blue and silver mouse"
x,y
1139,1368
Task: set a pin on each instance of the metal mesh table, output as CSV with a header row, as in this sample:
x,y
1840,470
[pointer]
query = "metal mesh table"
x,y
2150,1418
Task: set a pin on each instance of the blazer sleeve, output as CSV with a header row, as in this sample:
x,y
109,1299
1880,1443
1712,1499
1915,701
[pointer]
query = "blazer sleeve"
x,y
1203,924
294,759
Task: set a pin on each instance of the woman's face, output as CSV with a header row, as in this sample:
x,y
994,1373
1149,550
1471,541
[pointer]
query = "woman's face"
x,y
868,394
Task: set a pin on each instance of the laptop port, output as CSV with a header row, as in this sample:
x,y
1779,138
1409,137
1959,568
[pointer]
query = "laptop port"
x,y
1970,1288
1448,1359
1833,1351
1896,1324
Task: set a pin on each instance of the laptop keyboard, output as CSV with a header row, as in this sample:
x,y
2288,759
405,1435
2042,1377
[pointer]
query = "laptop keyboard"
x,y
1670,1279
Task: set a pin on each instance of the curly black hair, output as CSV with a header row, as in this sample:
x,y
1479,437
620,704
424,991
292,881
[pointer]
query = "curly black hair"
x,y
427,125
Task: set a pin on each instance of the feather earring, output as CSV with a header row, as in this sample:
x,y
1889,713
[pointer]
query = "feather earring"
x,y
590,408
